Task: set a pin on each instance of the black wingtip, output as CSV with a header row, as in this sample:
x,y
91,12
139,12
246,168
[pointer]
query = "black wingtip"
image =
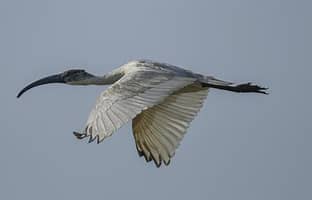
x,y
92,139
79,135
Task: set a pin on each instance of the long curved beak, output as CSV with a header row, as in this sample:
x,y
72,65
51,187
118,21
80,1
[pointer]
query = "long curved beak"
x,y
47,80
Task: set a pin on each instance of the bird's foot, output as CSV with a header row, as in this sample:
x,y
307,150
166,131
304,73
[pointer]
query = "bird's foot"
x,y
249,87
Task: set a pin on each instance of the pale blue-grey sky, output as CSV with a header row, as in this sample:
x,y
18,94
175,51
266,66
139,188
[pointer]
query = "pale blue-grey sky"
x,y
241,146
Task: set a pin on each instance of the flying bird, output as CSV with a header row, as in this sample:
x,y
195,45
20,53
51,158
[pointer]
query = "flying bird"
x,y
160,99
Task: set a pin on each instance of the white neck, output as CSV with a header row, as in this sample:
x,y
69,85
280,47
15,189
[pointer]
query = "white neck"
x,y
107,79
103,80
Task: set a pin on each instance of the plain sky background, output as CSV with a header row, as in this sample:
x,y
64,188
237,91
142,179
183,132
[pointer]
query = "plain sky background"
x,y
241,146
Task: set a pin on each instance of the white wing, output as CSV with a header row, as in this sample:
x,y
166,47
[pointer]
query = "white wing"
x,y
133,93
159,130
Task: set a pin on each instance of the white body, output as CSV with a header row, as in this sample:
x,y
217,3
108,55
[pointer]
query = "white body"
x,y
161,100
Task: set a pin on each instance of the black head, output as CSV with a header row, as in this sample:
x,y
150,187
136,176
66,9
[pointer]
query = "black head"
x,y
74,75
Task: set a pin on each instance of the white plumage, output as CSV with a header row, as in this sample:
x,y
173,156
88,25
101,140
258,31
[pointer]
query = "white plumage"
x,y
160,99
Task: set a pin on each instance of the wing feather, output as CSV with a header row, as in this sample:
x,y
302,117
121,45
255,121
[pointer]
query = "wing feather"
x,y
122,101
159,130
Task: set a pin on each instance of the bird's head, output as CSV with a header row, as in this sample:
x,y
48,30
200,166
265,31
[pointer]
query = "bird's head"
x,y
71,77
76,77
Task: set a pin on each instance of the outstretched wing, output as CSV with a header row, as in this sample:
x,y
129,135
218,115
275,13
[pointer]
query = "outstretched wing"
x,y
159,130
122,101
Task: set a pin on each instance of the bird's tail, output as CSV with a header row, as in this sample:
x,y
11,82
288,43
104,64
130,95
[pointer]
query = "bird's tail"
x,y
224,85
